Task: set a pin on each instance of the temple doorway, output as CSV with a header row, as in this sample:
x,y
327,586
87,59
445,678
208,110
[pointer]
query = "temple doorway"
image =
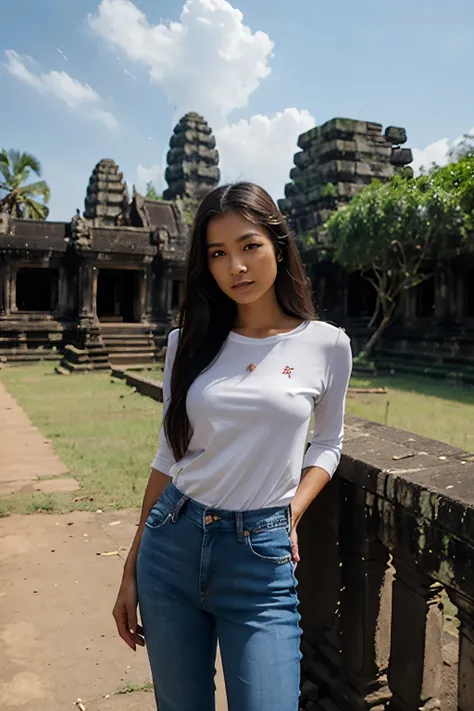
x,y
117,295
36,289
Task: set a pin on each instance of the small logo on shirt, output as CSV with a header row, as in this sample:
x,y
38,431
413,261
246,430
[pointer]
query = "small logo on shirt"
x,y
287,371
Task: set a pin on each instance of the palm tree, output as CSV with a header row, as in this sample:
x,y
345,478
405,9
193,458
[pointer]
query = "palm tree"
x,y
18,200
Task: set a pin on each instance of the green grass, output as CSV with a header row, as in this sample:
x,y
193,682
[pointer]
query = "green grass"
x,y
104,432
130,688
428,408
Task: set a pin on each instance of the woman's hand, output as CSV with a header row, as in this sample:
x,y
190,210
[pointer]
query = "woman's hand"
x,y
125,613
294,546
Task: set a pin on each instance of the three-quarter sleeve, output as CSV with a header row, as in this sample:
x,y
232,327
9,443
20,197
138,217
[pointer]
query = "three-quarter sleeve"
x,y
326,442
164,458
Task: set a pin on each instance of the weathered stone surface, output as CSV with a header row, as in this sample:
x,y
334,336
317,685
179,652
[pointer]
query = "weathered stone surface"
x,y
402,156
106,203
336,161
396,135
193,161
408,502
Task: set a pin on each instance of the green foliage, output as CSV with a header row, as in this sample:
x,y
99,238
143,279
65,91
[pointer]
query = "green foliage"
x,y
16,197
389,231
308,238
189,206
329,191
151,192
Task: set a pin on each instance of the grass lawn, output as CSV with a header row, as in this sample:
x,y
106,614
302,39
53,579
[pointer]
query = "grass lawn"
x,y
106,434
429,408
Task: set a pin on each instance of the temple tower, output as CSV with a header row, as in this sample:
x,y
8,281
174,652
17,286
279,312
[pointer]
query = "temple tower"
x,y
106,203
335,162
193,161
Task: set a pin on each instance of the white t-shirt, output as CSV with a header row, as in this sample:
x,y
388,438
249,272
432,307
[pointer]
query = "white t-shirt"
x,y
250,426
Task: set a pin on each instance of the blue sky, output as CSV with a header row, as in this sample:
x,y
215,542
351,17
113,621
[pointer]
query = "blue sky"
x,y
260,78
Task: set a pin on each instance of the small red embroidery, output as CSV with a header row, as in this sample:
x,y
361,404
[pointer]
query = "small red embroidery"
x,y
287,371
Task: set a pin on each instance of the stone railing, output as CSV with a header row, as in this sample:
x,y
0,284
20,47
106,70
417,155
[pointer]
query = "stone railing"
x,y
386,546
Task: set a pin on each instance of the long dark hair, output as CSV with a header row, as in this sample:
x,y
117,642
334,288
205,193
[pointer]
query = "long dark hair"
x,y
207,315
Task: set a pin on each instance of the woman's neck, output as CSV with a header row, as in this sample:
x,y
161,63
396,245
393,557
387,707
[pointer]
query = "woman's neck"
x,y
262,317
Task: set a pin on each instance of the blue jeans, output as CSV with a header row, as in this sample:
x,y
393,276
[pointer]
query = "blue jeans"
x,y
204,576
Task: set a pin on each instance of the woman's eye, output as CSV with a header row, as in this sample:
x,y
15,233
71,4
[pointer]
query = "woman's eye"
x,y
217,253
252,245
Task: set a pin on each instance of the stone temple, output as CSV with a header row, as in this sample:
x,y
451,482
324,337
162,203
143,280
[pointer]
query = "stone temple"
x,y
103,288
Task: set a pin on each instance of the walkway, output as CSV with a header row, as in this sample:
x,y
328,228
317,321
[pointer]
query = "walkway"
x,y
25,455
59,578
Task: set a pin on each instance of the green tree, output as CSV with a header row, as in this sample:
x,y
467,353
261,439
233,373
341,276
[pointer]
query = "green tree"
x,y
391,231
151,192
18,197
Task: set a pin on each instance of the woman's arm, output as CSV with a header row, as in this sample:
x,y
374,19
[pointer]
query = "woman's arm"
x,y
324,452
157,483
125,609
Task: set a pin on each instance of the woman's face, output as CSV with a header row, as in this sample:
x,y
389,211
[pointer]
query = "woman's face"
x,y
241,257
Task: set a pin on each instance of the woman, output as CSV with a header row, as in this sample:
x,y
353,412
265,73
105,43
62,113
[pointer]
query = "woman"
x,y
215,551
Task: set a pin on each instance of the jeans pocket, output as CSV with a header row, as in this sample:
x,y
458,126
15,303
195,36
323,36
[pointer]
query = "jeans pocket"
x,y
271,544
159,515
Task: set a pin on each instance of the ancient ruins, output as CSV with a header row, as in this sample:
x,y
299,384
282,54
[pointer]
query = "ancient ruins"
x,y
103,288
434,331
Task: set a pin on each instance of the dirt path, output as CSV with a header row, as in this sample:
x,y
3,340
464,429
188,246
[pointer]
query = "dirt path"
x,y
25,455
58,640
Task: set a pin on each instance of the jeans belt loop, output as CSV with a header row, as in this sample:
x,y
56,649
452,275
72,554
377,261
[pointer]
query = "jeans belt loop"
x,y
239,524
178,507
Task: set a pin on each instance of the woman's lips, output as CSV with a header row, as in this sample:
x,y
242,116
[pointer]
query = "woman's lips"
x,y
242,285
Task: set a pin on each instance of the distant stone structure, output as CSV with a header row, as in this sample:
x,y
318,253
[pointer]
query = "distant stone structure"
x,y
337,160
104,288
193,160
106,202
434,332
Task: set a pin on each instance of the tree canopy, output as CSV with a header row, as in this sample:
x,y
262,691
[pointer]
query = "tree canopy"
x,y
18,197
152,193
391,231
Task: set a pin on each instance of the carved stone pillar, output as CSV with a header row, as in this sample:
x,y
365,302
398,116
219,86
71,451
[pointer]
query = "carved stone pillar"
x,y
318,536
62,294
365,603
3,270
465,607
95,279
417,627
13,273
150,288
85,290
142,296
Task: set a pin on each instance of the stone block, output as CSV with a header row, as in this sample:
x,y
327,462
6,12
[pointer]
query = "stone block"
x,y
402,156
302,159
395,135
305,139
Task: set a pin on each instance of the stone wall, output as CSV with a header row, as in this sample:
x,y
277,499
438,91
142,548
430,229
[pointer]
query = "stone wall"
x,y
384,547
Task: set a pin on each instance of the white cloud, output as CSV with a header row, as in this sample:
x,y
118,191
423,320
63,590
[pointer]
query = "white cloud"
x,y
261,149
77,96
441,152
209,61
